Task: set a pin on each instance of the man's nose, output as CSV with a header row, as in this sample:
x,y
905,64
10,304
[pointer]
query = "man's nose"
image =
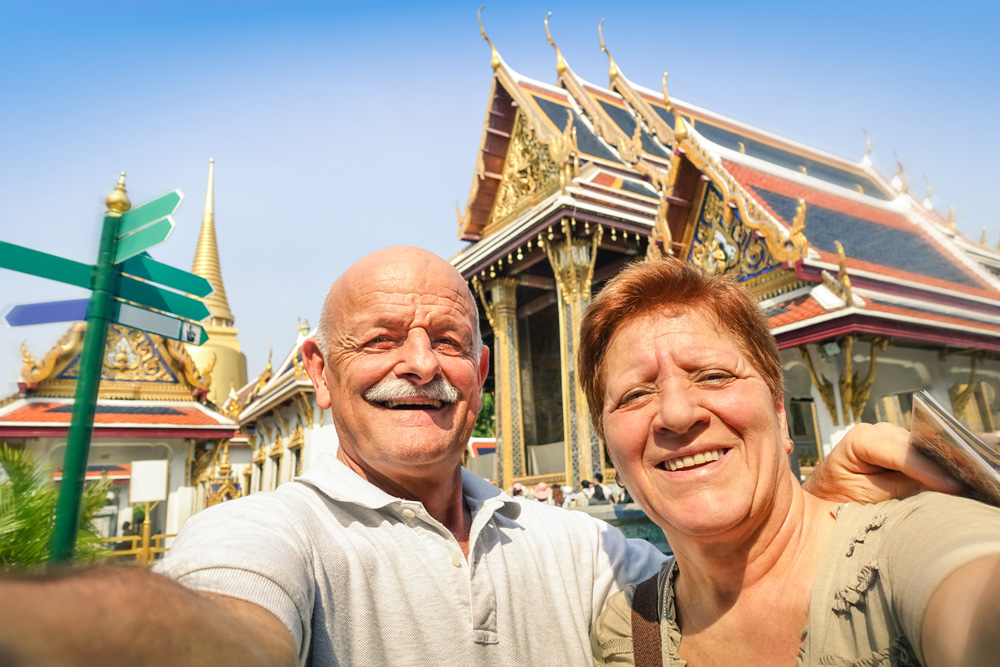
x,y
417,360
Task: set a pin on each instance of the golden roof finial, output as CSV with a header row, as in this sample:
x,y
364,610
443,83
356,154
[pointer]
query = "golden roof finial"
x,y
613,69
666,96
899,178
560,61
927,198
951,219
206,258
494,56
303,326
982,241
118,201
868,146
842,277
797,235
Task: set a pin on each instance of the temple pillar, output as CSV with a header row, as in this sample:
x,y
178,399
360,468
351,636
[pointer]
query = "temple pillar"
x,y
501,311
572,260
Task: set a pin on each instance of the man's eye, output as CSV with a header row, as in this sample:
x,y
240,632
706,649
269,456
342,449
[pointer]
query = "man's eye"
x,y
379,341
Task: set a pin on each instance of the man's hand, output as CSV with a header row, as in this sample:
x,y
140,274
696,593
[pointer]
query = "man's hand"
x,y
875,462
130,616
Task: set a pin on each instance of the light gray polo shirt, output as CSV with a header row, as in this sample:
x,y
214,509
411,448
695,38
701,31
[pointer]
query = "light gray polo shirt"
x,y
363,578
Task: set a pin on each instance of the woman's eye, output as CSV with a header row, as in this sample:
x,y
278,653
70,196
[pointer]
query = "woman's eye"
x,y
629,397
716,376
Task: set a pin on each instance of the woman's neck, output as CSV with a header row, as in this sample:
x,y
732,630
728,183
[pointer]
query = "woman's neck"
x,y
713,575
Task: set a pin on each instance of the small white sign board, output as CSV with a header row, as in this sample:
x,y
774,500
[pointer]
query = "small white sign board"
x,y
149,482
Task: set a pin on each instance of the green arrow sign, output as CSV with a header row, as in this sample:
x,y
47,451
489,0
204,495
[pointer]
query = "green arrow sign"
x,y
147,268
145,294
44,265
158,323
147,237
151,211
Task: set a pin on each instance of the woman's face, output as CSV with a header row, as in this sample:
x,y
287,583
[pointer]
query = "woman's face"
x,y
691,425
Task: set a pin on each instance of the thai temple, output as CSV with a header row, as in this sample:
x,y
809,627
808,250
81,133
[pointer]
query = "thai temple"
x,y
157,400
871,293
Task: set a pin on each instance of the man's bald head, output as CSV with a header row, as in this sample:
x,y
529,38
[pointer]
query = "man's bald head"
x,y
398,263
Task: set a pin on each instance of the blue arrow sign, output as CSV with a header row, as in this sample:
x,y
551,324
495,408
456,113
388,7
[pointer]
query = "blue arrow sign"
x,y
47,312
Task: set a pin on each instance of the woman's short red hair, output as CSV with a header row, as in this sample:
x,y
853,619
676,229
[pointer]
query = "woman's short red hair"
x,y
670,285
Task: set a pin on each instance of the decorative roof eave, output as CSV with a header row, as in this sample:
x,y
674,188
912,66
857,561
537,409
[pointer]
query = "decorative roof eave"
x,y
784,245
221,422
629,148
620,83
469,224
468,260
289,388
861,321
810,268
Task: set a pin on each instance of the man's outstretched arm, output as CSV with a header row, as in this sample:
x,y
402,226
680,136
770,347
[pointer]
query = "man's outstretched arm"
x,y
130,616
875,462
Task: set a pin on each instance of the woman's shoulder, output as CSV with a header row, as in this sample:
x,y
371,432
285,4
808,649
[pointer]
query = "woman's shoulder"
x,y
611,633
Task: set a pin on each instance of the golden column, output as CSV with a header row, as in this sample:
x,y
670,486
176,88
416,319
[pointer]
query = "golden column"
x,y
221,354
572,261
501,311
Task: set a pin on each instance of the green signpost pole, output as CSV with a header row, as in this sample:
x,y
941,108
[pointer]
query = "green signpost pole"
x,y
99,313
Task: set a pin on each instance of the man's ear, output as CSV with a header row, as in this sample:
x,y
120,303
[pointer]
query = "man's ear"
x,y
315,365
484,366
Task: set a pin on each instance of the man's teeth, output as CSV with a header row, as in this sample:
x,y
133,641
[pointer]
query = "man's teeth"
x,y
697,459
424,403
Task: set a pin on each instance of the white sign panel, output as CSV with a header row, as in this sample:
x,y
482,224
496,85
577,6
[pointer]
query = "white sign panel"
x,y
149,482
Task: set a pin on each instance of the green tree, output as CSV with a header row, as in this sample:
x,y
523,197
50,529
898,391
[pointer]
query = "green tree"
x,y
486,422
28,498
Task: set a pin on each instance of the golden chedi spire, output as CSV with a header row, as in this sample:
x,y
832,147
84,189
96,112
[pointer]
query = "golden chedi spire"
x,y
206,258
221,352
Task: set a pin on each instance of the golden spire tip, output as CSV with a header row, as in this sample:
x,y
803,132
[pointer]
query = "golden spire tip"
x,y
560,61
612,67
118,201
494,56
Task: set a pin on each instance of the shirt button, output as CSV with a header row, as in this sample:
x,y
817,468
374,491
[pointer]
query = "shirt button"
x,y
456,560
408,513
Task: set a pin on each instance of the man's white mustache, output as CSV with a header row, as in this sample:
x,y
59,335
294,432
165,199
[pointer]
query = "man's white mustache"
x,y
393,389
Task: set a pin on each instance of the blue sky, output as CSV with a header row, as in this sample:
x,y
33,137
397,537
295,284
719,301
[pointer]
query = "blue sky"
x,y
339,128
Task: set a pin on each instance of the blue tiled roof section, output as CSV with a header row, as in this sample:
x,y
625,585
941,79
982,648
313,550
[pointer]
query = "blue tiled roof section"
x,y
780,157
585,139
868,241
789,160
626,122
639,188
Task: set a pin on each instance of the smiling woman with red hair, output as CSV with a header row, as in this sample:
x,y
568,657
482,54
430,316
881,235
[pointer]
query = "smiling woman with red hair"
x,y
685,386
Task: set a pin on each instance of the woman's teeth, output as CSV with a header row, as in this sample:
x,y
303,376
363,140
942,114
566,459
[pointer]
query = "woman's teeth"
x,y
695,460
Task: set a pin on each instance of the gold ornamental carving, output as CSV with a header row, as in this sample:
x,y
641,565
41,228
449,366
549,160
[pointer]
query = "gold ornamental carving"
x,y
823,386
529,175
572,261
854,391
135,365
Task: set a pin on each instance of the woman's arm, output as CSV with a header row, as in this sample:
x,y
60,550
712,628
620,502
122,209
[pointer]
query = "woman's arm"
x,y
962,622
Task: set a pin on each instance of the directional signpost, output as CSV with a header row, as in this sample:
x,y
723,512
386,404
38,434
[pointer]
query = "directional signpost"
x,y
123,273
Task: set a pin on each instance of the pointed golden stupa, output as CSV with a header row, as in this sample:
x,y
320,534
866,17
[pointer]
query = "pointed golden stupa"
x,y
229,368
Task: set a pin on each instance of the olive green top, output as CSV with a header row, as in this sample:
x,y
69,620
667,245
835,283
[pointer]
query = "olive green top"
x,y
872,585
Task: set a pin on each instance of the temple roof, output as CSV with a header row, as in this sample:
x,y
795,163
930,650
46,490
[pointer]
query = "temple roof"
x,y
274,385
613,155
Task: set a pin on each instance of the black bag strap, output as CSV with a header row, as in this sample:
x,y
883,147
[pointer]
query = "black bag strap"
x,y
646,648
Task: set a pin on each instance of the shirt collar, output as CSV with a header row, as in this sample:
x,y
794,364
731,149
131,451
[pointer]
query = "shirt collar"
x,y
334,479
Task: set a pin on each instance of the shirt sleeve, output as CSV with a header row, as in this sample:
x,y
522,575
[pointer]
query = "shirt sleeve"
x,y
932,538
611,633
620,562
248,549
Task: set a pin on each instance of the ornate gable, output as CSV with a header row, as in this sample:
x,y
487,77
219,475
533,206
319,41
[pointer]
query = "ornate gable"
x,y
136,365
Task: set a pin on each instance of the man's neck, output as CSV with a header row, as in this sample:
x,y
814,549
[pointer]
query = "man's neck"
x,y
440,492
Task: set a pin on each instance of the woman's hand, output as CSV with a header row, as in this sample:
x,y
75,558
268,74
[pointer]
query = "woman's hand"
x,y
875,462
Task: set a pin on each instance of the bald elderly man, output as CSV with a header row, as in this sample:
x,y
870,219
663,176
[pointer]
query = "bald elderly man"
x,y
389,553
